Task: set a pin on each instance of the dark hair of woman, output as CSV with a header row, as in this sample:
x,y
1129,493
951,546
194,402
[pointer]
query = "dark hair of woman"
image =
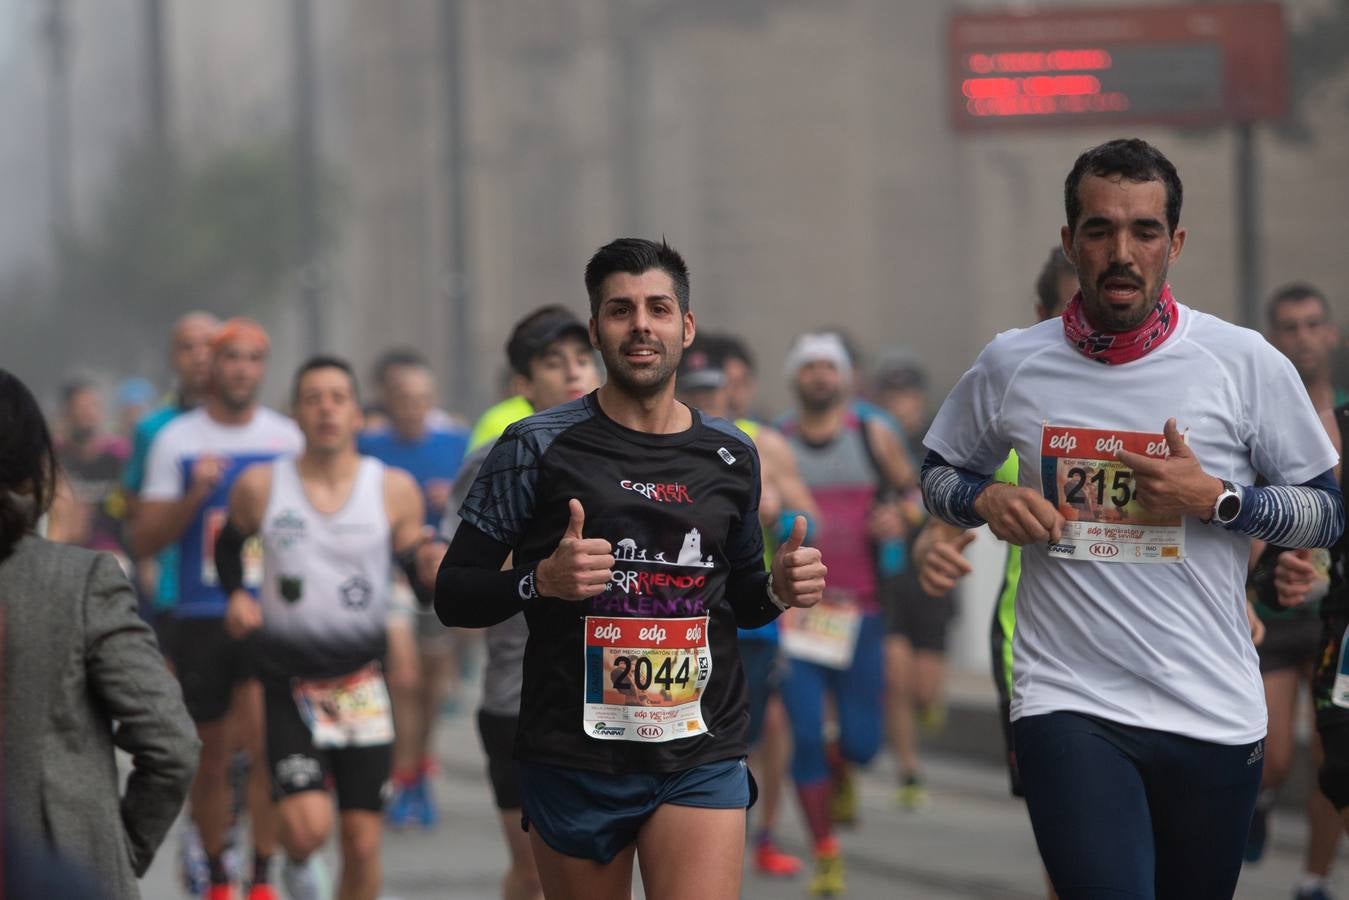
x,y
27,462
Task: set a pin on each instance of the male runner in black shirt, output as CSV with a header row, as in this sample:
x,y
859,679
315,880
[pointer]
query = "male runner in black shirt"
x,y
633,713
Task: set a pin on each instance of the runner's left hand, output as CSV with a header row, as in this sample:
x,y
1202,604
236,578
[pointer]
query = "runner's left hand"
x,y
429,556
798,573
1176,484
1295,576
886,521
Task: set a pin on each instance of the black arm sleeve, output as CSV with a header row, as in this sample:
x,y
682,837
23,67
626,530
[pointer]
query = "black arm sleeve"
x,y
407,563
229,558
471,589
747,592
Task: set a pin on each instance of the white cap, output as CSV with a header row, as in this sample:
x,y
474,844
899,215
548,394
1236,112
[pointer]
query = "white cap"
x,y
818,347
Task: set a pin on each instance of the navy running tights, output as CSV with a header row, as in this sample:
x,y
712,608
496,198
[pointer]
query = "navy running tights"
x,y
1127,812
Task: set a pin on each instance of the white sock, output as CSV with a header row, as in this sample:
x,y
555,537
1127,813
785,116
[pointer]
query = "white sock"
x,y
1310,881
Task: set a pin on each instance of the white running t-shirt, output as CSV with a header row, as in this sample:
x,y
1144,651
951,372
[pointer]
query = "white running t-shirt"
x,y
1163,643
174,455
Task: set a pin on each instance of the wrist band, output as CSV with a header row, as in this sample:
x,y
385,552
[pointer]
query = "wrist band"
x,y
527,589
773,596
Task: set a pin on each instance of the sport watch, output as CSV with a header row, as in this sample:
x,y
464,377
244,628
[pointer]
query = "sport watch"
x,y
1228,505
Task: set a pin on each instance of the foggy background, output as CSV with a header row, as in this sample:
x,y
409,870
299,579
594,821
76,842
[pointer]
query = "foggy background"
x,y
359,174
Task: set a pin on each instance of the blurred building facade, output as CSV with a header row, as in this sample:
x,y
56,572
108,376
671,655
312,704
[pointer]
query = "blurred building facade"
x,y
799,154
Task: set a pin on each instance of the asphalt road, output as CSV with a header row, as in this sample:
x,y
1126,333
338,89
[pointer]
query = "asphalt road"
x,y
973,841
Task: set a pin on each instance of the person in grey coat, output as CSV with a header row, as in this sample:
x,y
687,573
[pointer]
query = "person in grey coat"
x,y
82,674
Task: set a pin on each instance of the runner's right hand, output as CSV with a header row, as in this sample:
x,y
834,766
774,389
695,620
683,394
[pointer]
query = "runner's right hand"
x,y
206,474
243,615
580,567
943,565
1018,515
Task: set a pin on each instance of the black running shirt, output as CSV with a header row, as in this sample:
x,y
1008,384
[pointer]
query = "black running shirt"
x,y
646,676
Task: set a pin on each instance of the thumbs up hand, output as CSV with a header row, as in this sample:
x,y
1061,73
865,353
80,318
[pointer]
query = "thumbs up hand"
x,y
1176,484
580,567
798,573
939,558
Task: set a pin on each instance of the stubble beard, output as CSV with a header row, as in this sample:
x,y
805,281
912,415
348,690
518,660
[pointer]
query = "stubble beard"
x,y
1105,318
640,384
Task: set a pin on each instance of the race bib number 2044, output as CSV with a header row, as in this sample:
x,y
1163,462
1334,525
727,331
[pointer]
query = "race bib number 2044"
x,y
1095,494
644,678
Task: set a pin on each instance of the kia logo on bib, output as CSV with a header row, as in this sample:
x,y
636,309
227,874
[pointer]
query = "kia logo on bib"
x,y
649,731
1063,442
1104,550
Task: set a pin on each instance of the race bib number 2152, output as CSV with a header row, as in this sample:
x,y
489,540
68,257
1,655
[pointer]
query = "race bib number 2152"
x,y
1095,493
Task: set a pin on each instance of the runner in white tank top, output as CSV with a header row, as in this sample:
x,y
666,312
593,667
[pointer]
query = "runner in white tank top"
x,y
325,576
330,522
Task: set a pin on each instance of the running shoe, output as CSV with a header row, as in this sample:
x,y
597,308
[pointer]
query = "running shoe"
x,y
1258,834
219,892
770,860
912,795
828,880
263,892
402,811
932,718
193,869
307,880
1317,893
843,797
425,804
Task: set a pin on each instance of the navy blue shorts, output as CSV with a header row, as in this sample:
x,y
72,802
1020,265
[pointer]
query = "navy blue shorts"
x,y
595,815
1127,812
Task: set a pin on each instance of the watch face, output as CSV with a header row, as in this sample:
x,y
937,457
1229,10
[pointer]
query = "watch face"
x,y
1228,508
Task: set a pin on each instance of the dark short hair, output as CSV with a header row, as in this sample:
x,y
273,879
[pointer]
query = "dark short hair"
x,y
1293,293
324,361
74,386
1047,282
633,256
535,333
1132,158
395,357
735,348
27,462
703,365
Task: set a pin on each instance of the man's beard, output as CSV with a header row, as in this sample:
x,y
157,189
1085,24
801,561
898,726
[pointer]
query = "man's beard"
x,y
643,383
817,402
1104,317
235,403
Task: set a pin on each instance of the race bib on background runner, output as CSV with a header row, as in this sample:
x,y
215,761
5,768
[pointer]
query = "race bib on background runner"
x,y
1339,694
825,634
1094,492
351,711
644,678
